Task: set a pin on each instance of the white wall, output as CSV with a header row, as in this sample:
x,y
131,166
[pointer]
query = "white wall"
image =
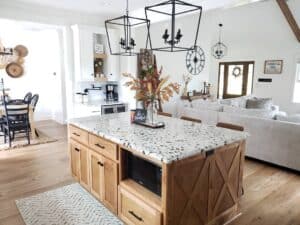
x,y
255,32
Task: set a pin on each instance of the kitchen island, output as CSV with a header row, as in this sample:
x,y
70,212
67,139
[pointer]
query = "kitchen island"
x,y
198,169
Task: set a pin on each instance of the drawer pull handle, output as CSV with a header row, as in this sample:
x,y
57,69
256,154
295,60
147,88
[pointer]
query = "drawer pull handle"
x,y
77,149
136,216
100,163
100,146
78,135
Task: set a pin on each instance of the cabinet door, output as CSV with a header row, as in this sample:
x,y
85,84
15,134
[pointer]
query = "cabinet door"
x,y
87,54
96,173
110,184
79,163
108,110
75,161
121,109
84,167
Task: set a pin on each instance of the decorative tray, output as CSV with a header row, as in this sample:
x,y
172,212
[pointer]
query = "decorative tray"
x,y
150,125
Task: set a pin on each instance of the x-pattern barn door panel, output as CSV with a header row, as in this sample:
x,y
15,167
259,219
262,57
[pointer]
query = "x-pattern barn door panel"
x,y
203,188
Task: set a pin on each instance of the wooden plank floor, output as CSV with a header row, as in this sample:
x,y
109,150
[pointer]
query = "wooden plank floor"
x,y
272,195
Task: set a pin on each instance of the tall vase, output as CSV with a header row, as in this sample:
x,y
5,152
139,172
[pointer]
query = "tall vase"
x,y
152,112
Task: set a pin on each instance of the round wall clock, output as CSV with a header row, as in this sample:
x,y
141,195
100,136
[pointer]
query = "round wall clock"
x,y
14,70
195,60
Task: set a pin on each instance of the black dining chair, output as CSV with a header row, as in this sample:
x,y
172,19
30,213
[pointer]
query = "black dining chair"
x,y
16,120
34,101
28,97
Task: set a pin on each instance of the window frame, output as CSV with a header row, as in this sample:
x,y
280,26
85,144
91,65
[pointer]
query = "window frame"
x,y
298,72
296,97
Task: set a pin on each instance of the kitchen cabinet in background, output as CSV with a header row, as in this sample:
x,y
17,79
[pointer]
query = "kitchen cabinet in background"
x,y
83,37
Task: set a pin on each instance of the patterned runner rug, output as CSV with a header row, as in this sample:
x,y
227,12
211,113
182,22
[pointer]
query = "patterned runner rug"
x,y
69,205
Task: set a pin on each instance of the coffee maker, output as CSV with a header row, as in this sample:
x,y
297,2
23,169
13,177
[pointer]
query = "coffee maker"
x,y
112,92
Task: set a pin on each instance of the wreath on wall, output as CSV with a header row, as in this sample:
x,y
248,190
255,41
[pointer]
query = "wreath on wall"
x,y
237,71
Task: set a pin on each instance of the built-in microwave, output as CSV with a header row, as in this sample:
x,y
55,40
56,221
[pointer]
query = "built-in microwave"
x,y
144,172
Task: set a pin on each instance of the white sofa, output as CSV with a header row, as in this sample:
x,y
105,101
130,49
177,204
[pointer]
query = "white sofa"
x,y
270,140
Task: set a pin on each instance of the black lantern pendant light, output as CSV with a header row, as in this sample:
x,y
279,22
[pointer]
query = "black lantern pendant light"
x,y
126,45
219,50
173,39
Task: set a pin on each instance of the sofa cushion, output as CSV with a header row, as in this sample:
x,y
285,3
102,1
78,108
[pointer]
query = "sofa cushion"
x,y
260,113
292,118
259,103
206,116
207,105
236,102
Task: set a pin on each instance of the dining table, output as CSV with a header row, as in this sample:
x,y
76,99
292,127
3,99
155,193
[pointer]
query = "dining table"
x,y
31,117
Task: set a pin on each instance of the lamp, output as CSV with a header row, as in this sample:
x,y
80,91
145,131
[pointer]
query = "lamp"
x,y
126,45
174,41
219,50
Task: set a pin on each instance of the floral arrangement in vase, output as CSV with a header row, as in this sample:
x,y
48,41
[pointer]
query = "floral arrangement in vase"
x,y
152,89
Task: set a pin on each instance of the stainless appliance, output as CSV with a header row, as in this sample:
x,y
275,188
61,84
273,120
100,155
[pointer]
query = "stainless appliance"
x,y
112,92
114,108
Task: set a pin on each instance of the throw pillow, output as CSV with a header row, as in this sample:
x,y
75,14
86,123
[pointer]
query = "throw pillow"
x,y
259,103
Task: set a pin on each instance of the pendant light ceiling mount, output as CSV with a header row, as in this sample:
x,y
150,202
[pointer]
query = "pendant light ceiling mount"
x,y
174,40
219,50
125,23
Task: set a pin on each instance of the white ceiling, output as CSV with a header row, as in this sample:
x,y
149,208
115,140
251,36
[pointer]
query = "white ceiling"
x,y
114,7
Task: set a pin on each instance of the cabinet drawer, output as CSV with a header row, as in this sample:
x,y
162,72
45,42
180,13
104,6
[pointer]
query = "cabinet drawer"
x,y
135,212
103,146
79,135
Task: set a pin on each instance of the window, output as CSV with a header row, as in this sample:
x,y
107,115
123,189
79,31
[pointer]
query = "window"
x,y
297,85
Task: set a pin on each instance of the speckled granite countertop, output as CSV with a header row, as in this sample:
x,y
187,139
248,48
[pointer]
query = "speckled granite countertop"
x,y
178,140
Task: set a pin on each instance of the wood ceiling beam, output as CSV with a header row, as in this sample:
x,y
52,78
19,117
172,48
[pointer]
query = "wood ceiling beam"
x,y
289,17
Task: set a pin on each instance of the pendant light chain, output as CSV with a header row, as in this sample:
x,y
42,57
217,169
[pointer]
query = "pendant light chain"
x,y
220,32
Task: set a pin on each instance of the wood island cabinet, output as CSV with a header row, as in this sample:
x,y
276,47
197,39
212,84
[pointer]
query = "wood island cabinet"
x,y
94,165
203,189
104,177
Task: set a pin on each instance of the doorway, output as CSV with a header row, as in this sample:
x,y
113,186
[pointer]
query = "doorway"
x,y
43,67
235,79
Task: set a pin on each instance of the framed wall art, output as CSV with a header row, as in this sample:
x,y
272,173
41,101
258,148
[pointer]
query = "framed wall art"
x,y
273,66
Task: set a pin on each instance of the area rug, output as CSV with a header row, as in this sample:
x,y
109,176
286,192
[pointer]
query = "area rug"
x,y
69,205
21,142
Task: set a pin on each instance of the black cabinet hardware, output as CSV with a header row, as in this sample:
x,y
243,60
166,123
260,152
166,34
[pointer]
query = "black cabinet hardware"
x,y
136,216
100,163
78,135
100,146
77,149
